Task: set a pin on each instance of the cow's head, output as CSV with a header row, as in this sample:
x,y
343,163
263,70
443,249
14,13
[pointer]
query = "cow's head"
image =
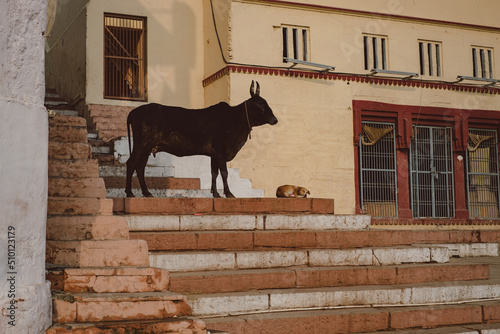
x,y
260,113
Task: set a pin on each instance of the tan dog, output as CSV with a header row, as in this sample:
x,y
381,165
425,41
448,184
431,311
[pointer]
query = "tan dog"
x,y
289,191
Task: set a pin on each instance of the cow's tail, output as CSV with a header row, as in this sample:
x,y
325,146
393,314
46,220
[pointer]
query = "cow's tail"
x,y
128,132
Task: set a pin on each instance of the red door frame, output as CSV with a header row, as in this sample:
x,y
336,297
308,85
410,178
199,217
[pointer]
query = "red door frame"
x,y
404,117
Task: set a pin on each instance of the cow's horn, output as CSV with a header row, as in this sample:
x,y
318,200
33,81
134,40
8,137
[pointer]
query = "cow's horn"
x,y
251,90
257,90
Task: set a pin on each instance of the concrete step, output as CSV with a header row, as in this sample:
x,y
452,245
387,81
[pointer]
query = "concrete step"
x,y
73,169
119,193
94,307
107,171
79,206
70,228
232,260
272,240
69,151
313,224
316,277
155,182
97,253
77,187
68,134
177,206
469,318
179,325
109,279
360,296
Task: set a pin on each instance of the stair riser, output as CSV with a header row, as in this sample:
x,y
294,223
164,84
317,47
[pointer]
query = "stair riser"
x,y
69,151
86,228
360,321
79,206
68,134
81,311
176,262
232,304
109,253
191,283
109,280
73,169
81,187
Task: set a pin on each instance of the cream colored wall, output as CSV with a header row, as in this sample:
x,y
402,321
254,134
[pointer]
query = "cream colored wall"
x,y
175,44
312,145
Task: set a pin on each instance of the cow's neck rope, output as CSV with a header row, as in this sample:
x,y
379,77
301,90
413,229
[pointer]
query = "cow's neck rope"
x,y
248,121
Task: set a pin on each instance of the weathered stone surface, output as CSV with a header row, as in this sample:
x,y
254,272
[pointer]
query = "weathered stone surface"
x,y
91,253
77,187
86,228
79,206
73,169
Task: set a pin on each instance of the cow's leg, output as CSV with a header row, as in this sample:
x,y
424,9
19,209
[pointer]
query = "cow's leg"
x,y
130,172
221,163
141,168
215,173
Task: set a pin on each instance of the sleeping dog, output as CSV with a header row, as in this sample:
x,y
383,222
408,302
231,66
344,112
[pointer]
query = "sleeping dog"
x,y
289,191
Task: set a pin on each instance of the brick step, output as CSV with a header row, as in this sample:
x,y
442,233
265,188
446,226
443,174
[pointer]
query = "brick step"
x,y
79,206
233,260
69,151
172,234
465,319
67,134
108,135
63,120
155,182
179,325
110,171
93,307
484,328
176,206
97,253
72,228
77,187
279,300
113,124
73,169
109,279
316,277
108,111
118,193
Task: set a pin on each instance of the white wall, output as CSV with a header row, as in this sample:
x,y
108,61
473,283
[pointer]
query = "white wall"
x,y
23,167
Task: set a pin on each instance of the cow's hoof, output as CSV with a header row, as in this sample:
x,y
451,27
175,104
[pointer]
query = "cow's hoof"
x,y
216,195
130,195
148,195
229,195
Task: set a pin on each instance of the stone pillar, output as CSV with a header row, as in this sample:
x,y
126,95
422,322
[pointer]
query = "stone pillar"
x,y
25,301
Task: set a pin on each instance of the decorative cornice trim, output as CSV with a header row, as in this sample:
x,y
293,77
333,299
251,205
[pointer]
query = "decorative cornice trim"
x,y
387,16
349,77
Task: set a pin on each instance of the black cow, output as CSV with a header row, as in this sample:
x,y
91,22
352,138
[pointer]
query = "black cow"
x,y
219,132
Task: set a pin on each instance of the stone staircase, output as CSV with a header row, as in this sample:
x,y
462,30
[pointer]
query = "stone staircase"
x,y
253,266
101,279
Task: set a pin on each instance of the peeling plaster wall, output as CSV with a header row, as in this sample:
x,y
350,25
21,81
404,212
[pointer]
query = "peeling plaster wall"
x,y
23,169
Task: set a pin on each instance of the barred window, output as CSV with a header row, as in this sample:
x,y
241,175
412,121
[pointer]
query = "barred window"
x,y
295,43
482,174
482,62
378,177
124,57
375,52
430,58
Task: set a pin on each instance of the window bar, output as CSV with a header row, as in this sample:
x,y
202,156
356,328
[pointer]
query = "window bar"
x,y
367,52
474,63
432,185
295,44
305,45
285,44
384,58
422,57
375,55
483,63
438,60
429,52
490,64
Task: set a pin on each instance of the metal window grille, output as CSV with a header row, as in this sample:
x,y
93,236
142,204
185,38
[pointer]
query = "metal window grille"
x,y
378,176
430,58
124,57
482,174
482,62
431,168
295,43
375,52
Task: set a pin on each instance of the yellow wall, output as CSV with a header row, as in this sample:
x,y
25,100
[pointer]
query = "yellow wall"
x,y
175,49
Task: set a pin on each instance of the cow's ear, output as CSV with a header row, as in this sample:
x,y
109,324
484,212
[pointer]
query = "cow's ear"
x,y
257,90
251,90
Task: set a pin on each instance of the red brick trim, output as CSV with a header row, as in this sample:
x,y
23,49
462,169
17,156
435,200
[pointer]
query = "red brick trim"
x,y
363,78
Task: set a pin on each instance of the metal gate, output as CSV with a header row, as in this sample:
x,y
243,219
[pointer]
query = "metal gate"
x,y
377,164
431,168
482,174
